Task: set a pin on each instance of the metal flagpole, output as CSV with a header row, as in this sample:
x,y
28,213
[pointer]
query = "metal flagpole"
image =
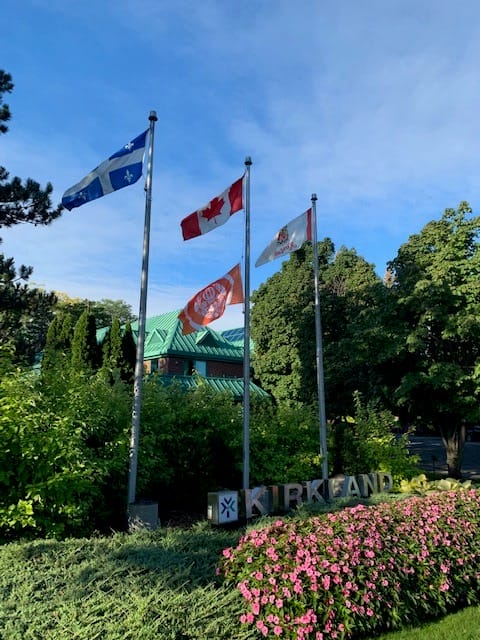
x,y
137,388
246,334
319,349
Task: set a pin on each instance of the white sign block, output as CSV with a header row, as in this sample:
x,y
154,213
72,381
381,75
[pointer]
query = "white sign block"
x,y
223,507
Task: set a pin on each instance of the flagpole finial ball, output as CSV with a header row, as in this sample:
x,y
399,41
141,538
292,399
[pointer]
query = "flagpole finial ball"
x,y
153,116
314,196
248,161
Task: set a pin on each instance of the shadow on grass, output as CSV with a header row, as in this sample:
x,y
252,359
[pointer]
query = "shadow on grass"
x,y
165,558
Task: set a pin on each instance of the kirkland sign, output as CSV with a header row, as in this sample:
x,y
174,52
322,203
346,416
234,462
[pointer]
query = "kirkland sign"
x,y
229,506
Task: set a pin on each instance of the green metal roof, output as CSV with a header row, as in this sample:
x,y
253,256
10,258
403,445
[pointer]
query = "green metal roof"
x,y
163,336
231,385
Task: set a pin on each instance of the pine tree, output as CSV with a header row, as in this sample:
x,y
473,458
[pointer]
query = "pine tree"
x,y
21,201
25,312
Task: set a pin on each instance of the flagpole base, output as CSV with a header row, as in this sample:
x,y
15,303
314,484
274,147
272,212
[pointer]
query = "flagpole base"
x,y
143,515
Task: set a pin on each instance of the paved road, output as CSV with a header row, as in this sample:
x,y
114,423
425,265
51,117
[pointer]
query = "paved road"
x,y
433,458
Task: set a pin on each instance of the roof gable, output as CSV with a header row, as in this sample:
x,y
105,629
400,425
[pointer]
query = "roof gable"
x,y
163,336
205,338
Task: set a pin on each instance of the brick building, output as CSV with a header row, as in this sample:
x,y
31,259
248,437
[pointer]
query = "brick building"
x,y
216,356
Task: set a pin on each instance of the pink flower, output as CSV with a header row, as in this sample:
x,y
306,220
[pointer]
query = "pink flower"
x,y
262,627
297,587
247,618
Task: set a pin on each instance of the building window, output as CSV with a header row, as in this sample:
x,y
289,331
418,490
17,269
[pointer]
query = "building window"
x,y
200,367
195,366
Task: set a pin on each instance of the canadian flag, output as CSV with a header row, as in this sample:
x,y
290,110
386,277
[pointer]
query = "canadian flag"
x,y
209,303
215,213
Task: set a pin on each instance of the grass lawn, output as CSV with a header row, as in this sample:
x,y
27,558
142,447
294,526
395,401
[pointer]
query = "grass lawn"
x,y
142,586
463,625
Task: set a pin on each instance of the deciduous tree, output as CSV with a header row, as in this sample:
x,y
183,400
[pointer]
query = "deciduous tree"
x,y
104,310
283,328
437,292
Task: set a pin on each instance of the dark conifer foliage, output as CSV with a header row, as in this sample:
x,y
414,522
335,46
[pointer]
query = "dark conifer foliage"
x,y
21,201
129,354
58,343
86,353
25,313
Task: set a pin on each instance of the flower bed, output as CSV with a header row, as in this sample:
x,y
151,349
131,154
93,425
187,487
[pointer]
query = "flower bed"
x,y
359,571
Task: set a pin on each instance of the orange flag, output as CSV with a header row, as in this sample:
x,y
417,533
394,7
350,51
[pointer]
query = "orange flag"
x,y
209,303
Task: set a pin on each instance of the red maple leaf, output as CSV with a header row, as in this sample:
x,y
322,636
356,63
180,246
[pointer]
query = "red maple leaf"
x,y
213,209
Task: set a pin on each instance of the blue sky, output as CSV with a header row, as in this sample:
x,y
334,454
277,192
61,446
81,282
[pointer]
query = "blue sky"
x,y
372,105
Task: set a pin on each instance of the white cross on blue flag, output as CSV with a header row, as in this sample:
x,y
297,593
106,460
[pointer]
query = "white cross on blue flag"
x,y
120,170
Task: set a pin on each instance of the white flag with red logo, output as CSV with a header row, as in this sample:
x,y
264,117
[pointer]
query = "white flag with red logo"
x,y
215,213
209,303
289,238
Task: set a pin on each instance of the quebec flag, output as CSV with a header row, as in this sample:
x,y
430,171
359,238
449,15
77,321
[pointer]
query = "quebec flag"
x,y
120,170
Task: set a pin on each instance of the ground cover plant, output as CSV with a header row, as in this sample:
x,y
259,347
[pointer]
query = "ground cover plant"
x,y
145,585
149,584
360,571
